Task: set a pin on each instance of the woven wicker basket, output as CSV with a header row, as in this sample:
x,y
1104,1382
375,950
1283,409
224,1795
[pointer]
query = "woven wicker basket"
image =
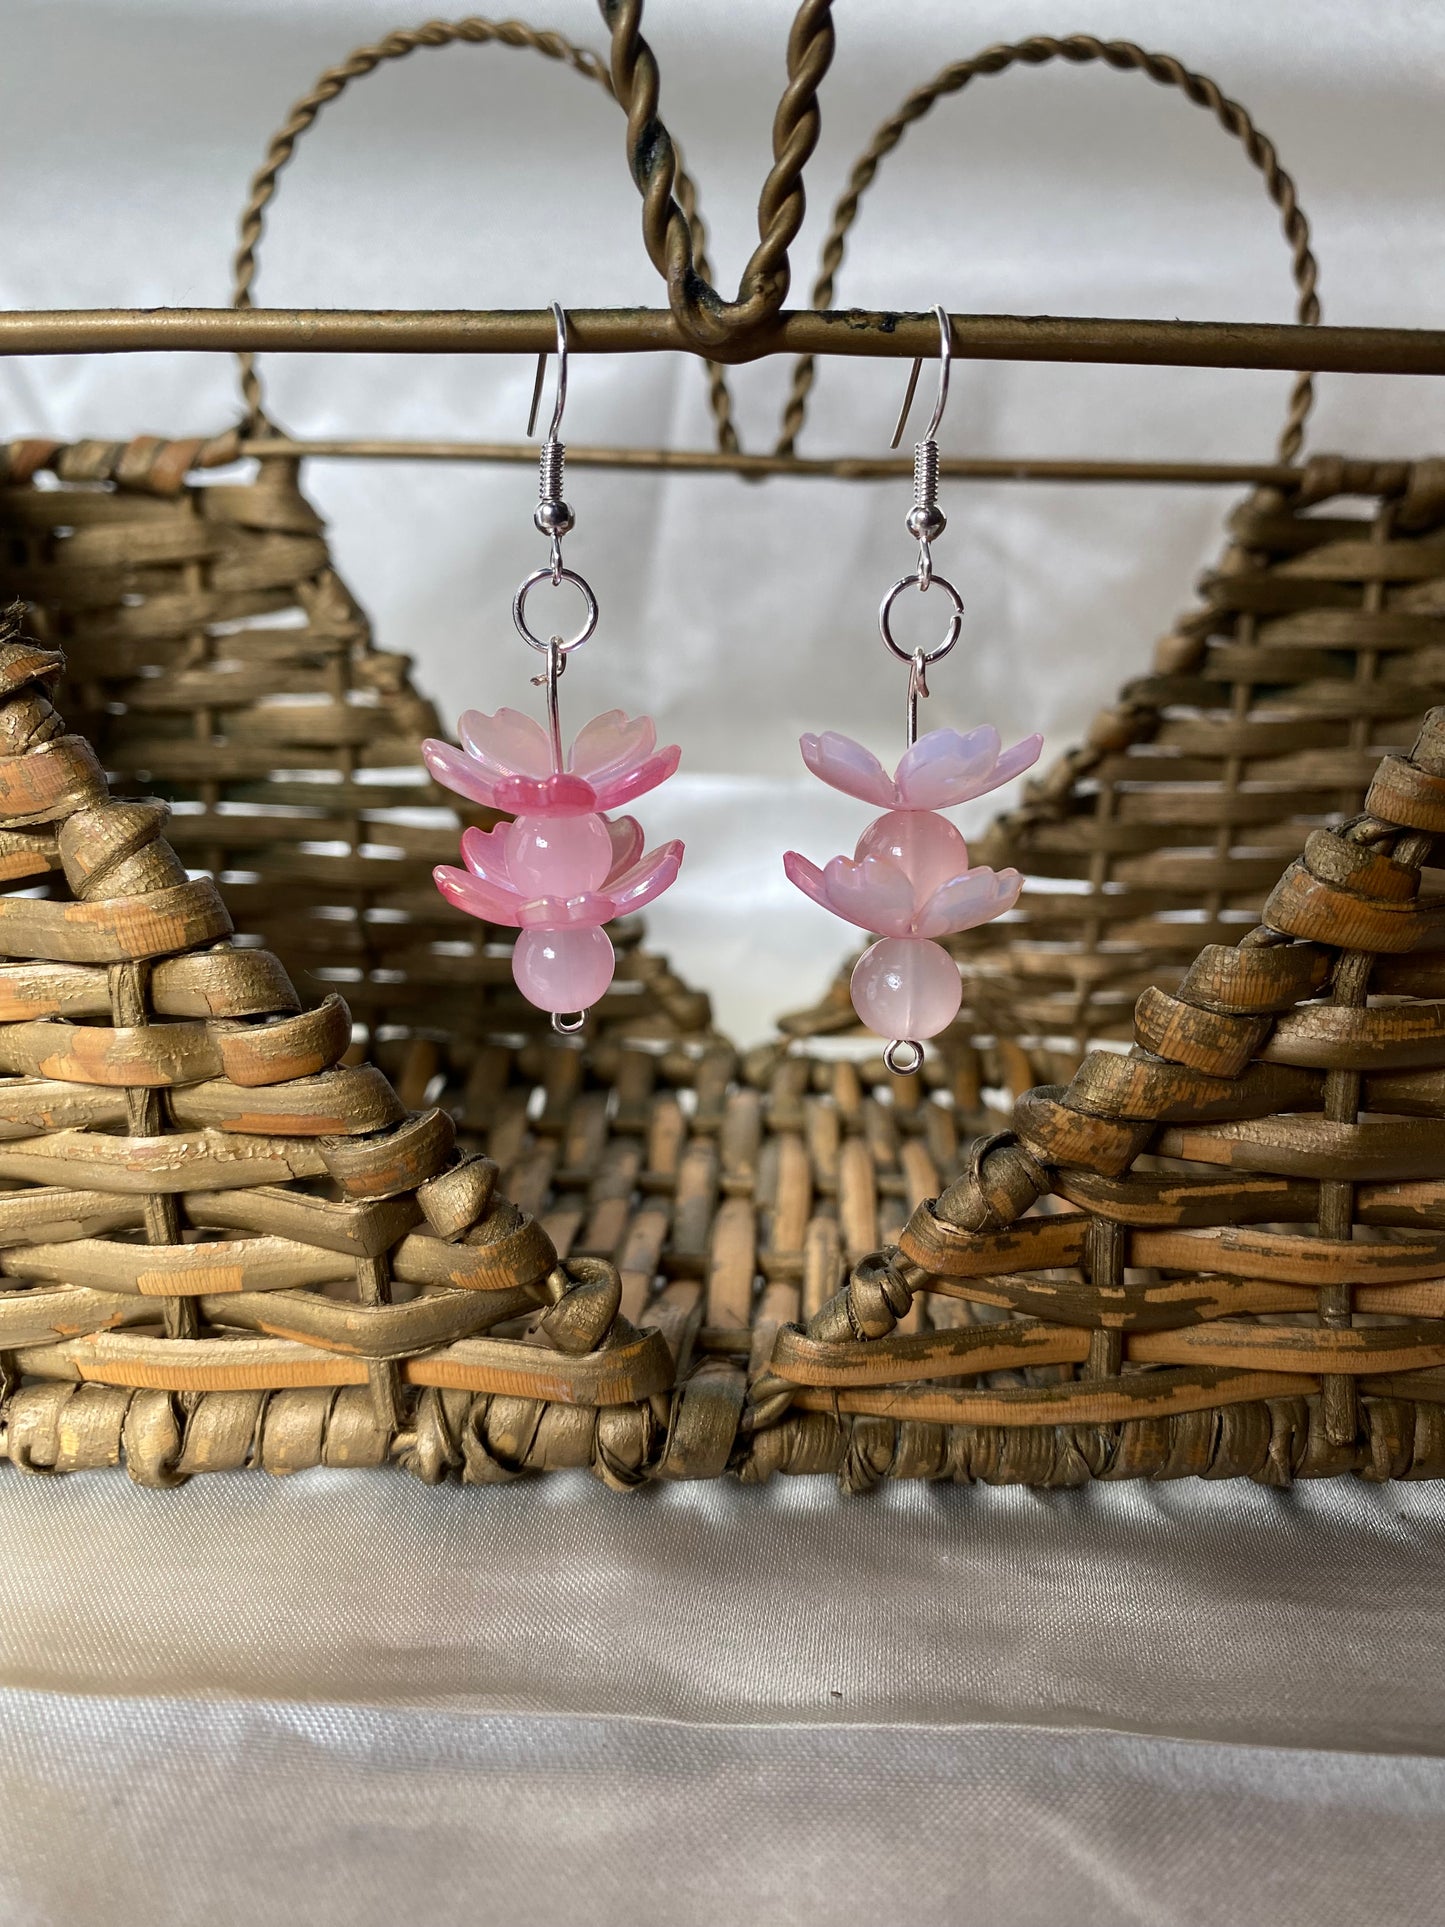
x,y
235,1234
1128,1324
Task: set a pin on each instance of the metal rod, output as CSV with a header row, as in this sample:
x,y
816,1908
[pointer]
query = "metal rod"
x,y
1198,344
848,468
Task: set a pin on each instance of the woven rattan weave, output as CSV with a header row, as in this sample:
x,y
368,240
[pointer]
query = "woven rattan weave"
x,y
208,1211
237,1231
201,1167
1319,641
218,660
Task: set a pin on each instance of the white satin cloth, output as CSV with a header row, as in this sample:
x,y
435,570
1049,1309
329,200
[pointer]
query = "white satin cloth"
x,y
350,1700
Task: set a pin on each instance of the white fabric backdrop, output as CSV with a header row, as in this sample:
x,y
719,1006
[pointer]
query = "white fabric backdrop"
x,y
350,1699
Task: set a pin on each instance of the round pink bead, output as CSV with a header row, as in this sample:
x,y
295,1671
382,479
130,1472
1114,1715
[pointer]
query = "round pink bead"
x,y
906,987
928,849
558,856
563,970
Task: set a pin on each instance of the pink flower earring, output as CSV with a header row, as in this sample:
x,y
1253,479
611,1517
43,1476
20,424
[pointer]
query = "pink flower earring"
x,y
909,881
561,869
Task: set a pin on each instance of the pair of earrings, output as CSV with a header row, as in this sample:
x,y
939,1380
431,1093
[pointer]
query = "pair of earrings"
x,y
562,868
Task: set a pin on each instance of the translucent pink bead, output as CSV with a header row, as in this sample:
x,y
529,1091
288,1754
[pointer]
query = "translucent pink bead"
x,y
906,987
563,970
928,849
558,856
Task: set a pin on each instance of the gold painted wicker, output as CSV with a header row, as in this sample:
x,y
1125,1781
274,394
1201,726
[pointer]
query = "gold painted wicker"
x,y
1157,1272
217,660
227,1239
1243,1269
219,1240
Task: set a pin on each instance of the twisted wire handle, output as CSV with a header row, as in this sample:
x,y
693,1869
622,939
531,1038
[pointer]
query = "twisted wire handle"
x,y
1124,56
700,311
473,31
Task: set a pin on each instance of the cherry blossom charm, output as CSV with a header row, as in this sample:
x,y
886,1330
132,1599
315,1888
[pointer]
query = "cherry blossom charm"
x,y
557,879
909,880
561,869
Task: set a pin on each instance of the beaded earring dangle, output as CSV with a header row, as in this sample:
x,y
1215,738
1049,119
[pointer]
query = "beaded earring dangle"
x,y
561,868
908,881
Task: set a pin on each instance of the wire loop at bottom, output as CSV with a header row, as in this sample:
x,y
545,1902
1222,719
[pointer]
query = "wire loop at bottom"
x,y
904,1056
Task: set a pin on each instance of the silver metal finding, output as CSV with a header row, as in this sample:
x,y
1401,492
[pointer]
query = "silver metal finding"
x,y
955,620
945,364
917,686
554,579
568,1023
926,520
904,1056
552,515
559,401
550,677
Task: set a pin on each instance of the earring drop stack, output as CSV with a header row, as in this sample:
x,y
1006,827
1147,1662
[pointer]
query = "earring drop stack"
x,y
562,868
909,880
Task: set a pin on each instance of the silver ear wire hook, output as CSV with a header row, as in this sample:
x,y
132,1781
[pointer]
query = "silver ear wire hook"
x,y
560,400
925,523
555,519
926,520
945,364
552,515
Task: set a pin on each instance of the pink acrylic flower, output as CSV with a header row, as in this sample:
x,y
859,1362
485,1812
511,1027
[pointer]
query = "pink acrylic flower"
x,y
942,768
506,763
909,877
557,872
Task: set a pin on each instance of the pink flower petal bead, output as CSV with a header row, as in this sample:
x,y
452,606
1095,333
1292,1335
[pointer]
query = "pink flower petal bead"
x,y
560,869
906,987
942,768
505,762
563,970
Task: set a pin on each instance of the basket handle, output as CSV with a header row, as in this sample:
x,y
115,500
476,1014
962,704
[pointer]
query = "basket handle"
x,y
472,31
1080,49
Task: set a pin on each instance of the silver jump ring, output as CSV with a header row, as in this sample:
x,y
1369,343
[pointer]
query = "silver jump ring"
x,y
554,578
955,622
